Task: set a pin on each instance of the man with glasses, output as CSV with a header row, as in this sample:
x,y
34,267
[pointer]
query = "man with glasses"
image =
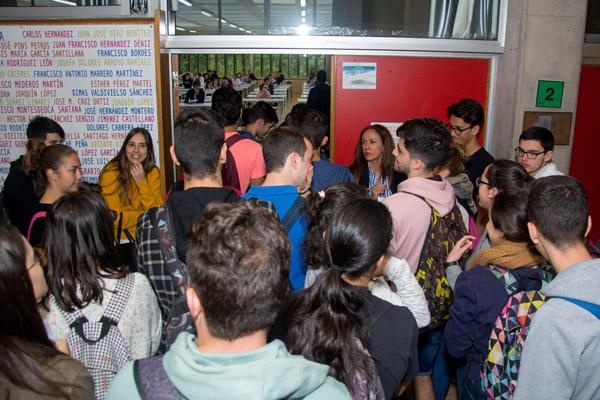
x,y
535,150
466,120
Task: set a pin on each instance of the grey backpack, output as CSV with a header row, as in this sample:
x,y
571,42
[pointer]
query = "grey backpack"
x,y
100,346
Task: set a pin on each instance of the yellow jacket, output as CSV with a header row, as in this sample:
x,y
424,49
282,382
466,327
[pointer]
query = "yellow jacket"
x,y
147,194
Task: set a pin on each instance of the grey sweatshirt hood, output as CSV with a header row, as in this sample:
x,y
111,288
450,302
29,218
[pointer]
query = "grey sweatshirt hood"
x,y
574,282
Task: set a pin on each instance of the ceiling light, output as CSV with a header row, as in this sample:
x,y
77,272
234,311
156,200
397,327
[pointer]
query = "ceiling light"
x,y
204,12
185,2
193,31
233,26
241,29
303,20
302,13
69,3
179,29
247,31
224,21
302,3
303,30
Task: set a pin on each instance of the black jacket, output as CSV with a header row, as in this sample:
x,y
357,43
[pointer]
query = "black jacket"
x,y
19,195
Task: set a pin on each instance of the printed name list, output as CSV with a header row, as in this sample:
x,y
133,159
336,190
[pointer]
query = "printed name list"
x,y
97,82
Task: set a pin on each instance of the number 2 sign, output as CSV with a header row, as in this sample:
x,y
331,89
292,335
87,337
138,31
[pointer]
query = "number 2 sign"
x,y
549,94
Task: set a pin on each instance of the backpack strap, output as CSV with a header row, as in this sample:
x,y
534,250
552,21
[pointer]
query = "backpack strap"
x,y
36,216
119,299
293,213
594,309
152,381
510,282
163,226
263,203
233,139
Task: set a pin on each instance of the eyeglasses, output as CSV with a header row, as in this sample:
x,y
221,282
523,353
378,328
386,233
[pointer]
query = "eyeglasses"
x,y
480,181
457,129
532,155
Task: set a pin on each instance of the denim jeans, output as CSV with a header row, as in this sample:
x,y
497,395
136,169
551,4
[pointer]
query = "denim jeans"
x,y
432,360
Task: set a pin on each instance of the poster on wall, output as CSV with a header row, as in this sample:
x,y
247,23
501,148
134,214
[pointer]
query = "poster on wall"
x,y
97,81
357,75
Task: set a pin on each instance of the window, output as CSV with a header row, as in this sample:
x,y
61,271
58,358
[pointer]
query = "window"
x,y
385,18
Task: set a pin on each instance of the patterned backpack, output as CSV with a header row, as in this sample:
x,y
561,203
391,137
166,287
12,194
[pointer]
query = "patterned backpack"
x,y
100,346
442,235
179,318
500,369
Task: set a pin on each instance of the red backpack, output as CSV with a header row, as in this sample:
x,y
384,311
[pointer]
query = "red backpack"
x,y
231,179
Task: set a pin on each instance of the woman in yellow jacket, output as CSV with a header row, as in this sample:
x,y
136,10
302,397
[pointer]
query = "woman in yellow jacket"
x,y
130,185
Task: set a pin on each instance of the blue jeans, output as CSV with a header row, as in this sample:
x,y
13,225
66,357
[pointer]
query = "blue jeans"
x,y
432,360
429,347
472,391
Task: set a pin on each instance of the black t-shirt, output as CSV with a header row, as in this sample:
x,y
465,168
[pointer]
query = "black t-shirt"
x,y
392,343
19,195
477,163
39,226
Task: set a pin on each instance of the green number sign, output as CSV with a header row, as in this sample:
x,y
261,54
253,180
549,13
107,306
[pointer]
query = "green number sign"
x,y
549,94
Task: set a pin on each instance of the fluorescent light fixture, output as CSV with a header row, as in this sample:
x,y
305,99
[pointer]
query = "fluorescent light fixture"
x,y
185,2
303,20
302,13
224,21
193,31
241,29
204,12
302,3
303,30
179,28
69,3
247,31
233,26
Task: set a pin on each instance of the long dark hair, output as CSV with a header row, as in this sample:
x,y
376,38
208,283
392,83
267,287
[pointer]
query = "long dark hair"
x,y
51,157
508,176
359,164
326,326
121,164
319,208
23,341
80,245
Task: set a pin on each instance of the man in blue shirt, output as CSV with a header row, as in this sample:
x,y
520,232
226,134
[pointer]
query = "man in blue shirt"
x,y
288,156
314,124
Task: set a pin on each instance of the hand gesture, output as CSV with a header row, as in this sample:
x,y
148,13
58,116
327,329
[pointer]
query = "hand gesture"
x,y
459,248
377,190
137,171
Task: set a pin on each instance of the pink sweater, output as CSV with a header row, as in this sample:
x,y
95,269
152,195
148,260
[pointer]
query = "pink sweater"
x,y
411,215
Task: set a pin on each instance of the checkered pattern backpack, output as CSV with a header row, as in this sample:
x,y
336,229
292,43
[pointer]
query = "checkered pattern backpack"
x,y
500,369
100,346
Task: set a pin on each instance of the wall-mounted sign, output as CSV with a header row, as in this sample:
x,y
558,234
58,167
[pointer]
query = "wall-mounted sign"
x,y
357,75
549,94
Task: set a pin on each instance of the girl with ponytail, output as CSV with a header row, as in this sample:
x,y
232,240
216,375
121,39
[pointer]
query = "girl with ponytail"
x,y
319,208
338,322
20,197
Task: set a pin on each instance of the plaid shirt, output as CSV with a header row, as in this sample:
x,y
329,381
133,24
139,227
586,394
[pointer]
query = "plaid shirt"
x,y
151,263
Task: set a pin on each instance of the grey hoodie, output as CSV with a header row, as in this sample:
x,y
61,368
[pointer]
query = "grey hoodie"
x,y
561,357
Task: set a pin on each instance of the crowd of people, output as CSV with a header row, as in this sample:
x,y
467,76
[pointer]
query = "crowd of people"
x,y
270,272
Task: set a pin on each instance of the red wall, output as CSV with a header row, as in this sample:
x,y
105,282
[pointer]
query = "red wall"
x,y
407,87
584,157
